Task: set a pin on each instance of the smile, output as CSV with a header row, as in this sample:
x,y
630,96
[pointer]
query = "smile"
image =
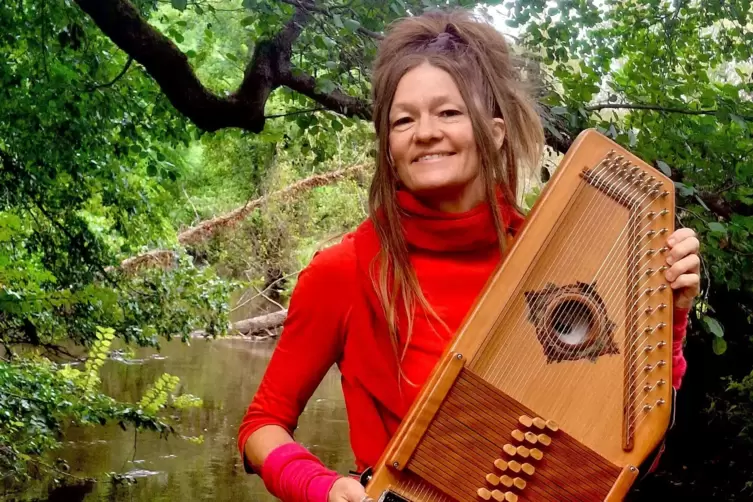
x,y
433,157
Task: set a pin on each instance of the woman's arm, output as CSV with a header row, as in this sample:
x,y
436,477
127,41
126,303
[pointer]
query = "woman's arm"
x,y
311,342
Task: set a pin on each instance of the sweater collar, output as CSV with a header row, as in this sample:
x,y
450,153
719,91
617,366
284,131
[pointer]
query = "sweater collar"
x,y
429,229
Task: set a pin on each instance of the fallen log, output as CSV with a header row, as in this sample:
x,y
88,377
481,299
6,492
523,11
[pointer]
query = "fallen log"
x,y
165,258
253,326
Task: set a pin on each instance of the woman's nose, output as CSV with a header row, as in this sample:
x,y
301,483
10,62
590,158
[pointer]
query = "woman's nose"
x,y
427,130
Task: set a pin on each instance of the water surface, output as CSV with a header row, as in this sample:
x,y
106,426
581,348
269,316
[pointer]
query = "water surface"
x,y
225,374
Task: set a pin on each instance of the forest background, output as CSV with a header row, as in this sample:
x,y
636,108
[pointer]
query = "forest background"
x,y
123,124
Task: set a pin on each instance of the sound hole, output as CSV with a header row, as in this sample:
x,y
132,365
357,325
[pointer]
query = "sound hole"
x,y
571,322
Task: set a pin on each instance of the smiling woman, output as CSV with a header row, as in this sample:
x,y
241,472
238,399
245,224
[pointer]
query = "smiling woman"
x,y
454,127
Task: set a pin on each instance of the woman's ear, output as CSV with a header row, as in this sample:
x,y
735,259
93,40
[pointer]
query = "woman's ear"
x,y
498,131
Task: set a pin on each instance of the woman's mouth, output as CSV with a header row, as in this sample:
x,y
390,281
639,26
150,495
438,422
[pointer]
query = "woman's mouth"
x,y
433,157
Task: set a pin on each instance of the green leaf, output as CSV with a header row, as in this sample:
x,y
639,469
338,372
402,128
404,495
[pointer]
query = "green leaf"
x,y
351,24
717,227
719,345
664,167
247,21
151,170
713,326
179,4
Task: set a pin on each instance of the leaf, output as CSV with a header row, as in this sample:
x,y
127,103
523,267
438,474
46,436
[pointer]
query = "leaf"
x,y
351,24
713,326
684,189
739,121
717,227
719,345
180,4
664,167
247,21
151,170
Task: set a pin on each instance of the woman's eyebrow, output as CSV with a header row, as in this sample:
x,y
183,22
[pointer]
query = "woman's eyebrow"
x,y
435,101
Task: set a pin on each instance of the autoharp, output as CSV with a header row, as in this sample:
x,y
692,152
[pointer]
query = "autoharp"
x,y
558,386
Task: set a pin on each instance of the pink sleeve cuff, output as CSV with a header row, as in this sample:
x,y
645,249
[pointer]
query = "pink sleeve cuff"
x,y
293,474
679,330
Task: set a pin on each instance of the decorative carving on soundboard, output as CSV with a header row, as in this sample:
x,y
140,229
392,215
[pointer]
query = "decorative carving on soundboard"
x,y
571,322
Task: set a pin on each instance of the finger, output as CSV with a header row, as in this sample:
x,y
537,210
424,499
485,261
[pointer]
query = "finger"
x,y
679,236
691,263
355,492
682,249
690,281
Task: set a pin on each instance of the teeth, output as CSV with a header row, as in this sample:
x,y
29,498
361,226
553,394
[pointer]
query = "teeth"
x,y
433,156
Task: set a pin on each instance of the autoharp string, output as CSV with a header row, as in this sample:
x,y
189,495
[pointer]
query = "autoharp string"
x,y
509,370
630,351
613,294
565,314
602,203
613,265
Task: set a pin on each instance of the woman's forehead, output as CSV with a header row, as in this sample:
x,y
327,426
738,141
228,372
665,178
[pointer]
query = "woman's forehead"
x,y
426,85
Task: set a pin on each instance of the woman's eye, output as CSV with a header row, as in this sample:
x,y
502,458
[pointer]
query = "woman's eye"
x,y
401,121
450,113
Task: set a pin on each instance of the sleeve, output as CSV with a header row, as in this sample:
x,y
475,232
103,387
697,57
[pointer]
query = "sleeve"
x,y
679,329
310,343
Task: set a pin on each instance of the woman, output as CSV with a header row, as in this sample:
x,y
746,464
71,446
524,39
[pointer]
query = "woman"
x,y
453,125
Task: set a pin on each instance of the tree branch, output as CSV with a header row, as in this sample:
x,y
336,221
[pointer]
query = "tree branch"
x,y
295,112
269,68
603,106
117,77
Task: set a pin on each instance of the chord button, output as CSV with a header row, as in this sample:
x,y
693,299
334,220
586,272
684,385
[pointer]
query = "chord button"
x,y
514,466
552,425
519,483
523,451
539,423
506,481
525,420
510,497
509,449
500,464
536,454
518,435
498,496
531,437
545,440
528,469
484,494
492,479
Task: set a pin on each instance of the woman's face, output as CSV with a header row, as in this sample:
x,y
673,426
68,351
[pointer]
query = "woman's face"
x,y
432,142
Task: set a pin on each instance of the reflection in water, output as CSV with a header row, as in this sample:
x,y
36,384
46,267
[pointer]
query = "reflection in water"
x,y
225,374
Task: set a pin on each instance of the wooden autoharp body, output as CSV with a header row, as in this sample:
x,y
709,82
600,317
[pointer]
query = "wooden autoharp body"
x,y
558,385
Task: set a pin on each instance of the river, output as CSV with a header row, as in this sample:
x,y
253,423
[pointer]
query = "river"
x,y
225,374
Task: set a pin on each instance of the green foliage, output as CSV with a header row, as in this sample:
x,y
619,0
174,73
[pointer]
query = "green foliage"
x,y
40,398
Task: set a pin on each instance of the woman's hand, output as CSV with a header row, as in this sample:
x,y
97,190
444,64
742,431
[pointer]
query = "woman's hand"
x,y
348,490
684,272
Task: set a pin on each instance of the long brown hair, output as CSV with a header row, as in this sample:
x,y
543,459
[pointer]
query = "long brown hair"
x,y
478,58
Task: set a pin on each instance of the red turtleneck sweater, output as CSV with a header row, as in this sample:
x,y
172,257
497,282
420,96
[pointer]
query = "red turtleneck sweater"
x,y
334,317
